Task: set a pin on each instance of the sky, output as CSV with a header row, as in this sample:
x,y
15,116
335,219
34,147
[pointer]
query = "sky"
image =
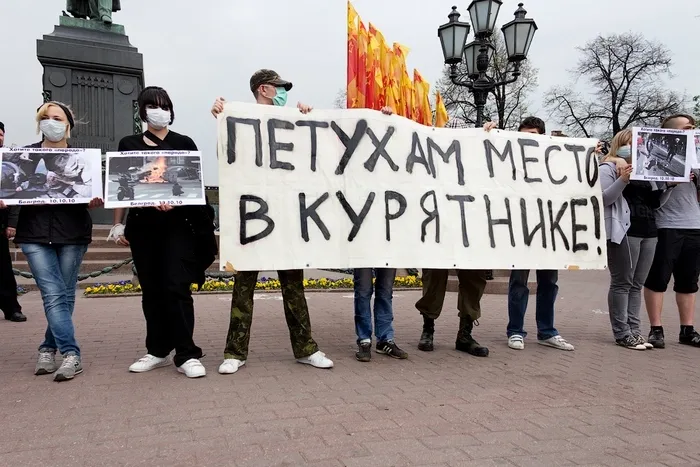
x,y
199,51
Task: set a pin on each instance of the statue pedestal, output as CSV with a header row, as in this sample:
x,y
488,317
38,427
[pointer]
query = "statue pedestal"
x,y
94,69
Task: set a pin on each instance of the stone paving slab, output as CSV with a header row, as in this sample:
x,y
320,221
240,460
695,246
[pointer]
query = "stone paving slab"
x,y
600,405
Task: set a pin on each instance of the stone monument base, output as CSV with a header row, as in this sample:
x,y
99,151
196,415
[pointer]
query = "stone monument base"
x,y
92,67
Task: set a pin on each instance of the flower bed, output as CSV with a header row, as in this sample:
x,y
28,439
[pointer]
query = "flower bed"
x,y
268,284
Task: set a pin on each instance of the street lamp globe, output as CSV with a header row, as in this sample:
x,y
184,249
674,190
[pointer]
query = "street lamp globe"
x,y
471,53
518,35
453,36
483,14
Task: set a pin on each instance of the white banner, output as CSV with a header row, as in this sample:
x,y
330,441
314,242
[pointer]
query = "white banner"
x,y
356,188
50,175
149,178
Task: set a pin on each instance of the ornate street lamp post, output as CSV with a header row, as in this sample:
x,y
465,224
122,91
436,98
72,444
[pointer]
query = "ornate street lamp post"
x,y
477,54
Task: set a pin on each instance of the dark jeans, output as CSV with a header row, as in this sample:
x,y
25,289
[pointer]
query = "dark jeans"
x,y
166,266
518,295
383,288
8,283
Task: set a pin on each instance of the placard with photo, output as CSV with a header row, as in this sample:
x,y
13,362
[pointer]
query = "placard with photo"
x,y
661,154
149,178
50,175
696,159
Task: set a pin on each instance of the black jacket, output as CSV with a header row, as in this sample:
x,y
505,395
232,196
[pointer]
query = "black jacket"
x,y
52,224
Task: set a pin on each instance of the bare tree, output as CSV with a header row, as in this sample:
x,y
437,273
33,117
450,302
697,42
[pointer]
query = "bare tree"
x,y
341,101
626,73
507,105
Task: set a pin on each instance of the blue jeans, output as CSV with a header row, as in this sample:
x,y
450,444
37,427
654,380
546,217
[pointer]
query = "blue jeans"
x,y
55,269
383,311
518,295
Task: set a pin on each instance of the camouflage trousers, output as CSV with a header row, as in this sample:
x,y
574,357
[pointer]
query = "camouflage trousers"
x,y
471,288
296,313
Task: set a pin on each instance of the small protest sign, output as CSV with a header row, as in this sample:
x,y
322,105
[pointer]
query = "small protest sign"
x,y
662,154
50,176
149,178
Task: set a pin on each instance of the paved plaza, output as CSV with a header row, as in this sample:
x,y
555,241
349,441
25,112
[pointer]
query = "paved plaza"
x,y
600,405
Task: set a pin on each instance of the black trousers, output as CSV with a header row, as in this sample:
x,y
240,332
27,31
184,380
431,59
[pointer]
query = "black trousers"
x,y
8,283
165,262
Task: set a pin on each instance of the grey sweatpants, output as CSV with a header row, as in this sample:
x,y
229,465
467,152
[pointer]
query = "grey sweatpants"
x,y
629,264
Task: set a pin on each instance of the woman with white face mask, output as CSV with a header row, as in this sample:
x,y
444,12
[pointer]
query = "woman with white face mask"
x,y
54,239
631,228
172,247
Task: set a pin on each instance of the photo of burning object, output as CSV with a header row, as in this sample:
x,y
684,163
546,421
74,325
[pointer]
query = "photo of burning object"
x,y
155,172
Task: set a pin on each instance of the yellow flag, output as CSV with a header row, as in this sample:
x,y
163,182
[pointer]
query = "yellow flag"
x,y
353,56
440,111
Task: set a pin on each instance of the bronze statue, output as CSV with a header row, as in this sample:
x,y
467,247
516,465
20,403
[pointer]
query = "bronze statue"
x,y
96,10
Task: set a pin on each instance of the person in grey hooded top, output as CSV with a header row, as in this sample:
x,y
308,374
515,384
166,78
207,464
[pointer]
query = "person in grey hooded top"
x,y
629,254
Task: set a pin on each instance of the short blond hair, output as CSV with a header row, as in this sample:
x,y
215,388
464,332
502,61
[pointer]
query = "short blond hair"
x,y
622,138
44,110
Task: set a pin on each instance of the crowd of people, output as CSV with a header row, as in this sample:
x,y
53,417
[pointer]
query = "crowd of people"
x,y
653,233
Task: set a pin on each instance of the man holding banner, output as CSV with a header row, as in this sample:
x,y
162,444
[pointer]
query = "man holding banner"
x,y
269,89
471,288
547,288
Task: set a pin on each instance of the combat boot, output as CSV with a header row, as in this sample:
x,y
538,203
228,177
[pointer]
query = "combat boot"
x,y
426,338
465,341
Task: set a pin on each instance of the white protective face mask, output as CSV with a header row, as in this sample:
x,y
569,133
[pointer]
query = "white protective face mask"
x,y
53,130
158,118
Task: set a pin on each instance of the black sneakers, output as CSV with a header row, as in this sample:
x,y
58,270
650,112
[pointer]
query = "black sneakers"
x,y
689,338
364,352
630,342
656,337
391,349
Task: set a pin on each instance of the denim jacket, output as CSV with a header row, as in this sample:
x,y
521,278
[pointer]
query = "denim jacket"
x,y
617,212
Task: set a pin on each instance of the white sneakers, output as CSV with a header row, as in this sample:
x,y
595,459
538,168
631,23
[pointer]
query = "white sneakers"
x,y
192,368
557,342
517,342
230,366
318,360
149,362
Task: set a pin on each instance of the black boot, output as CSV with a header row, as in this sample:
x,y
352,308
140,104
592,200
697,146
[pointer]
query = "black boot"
x,y
426,338
465,341
16,316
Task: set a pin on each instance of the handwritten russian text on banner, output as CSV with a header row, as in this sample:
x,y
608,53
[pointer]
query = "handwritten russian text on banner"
x,y
355,188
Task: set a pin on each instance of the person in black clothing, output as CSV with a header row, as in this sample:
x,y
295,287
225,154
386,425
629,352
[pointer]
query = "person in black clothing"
x,y
187,243
54,239
8,284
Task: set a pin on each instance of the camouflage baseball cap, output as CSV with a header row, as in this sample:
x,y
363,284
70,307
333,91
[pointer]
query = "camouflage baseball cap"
x,y
261,77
